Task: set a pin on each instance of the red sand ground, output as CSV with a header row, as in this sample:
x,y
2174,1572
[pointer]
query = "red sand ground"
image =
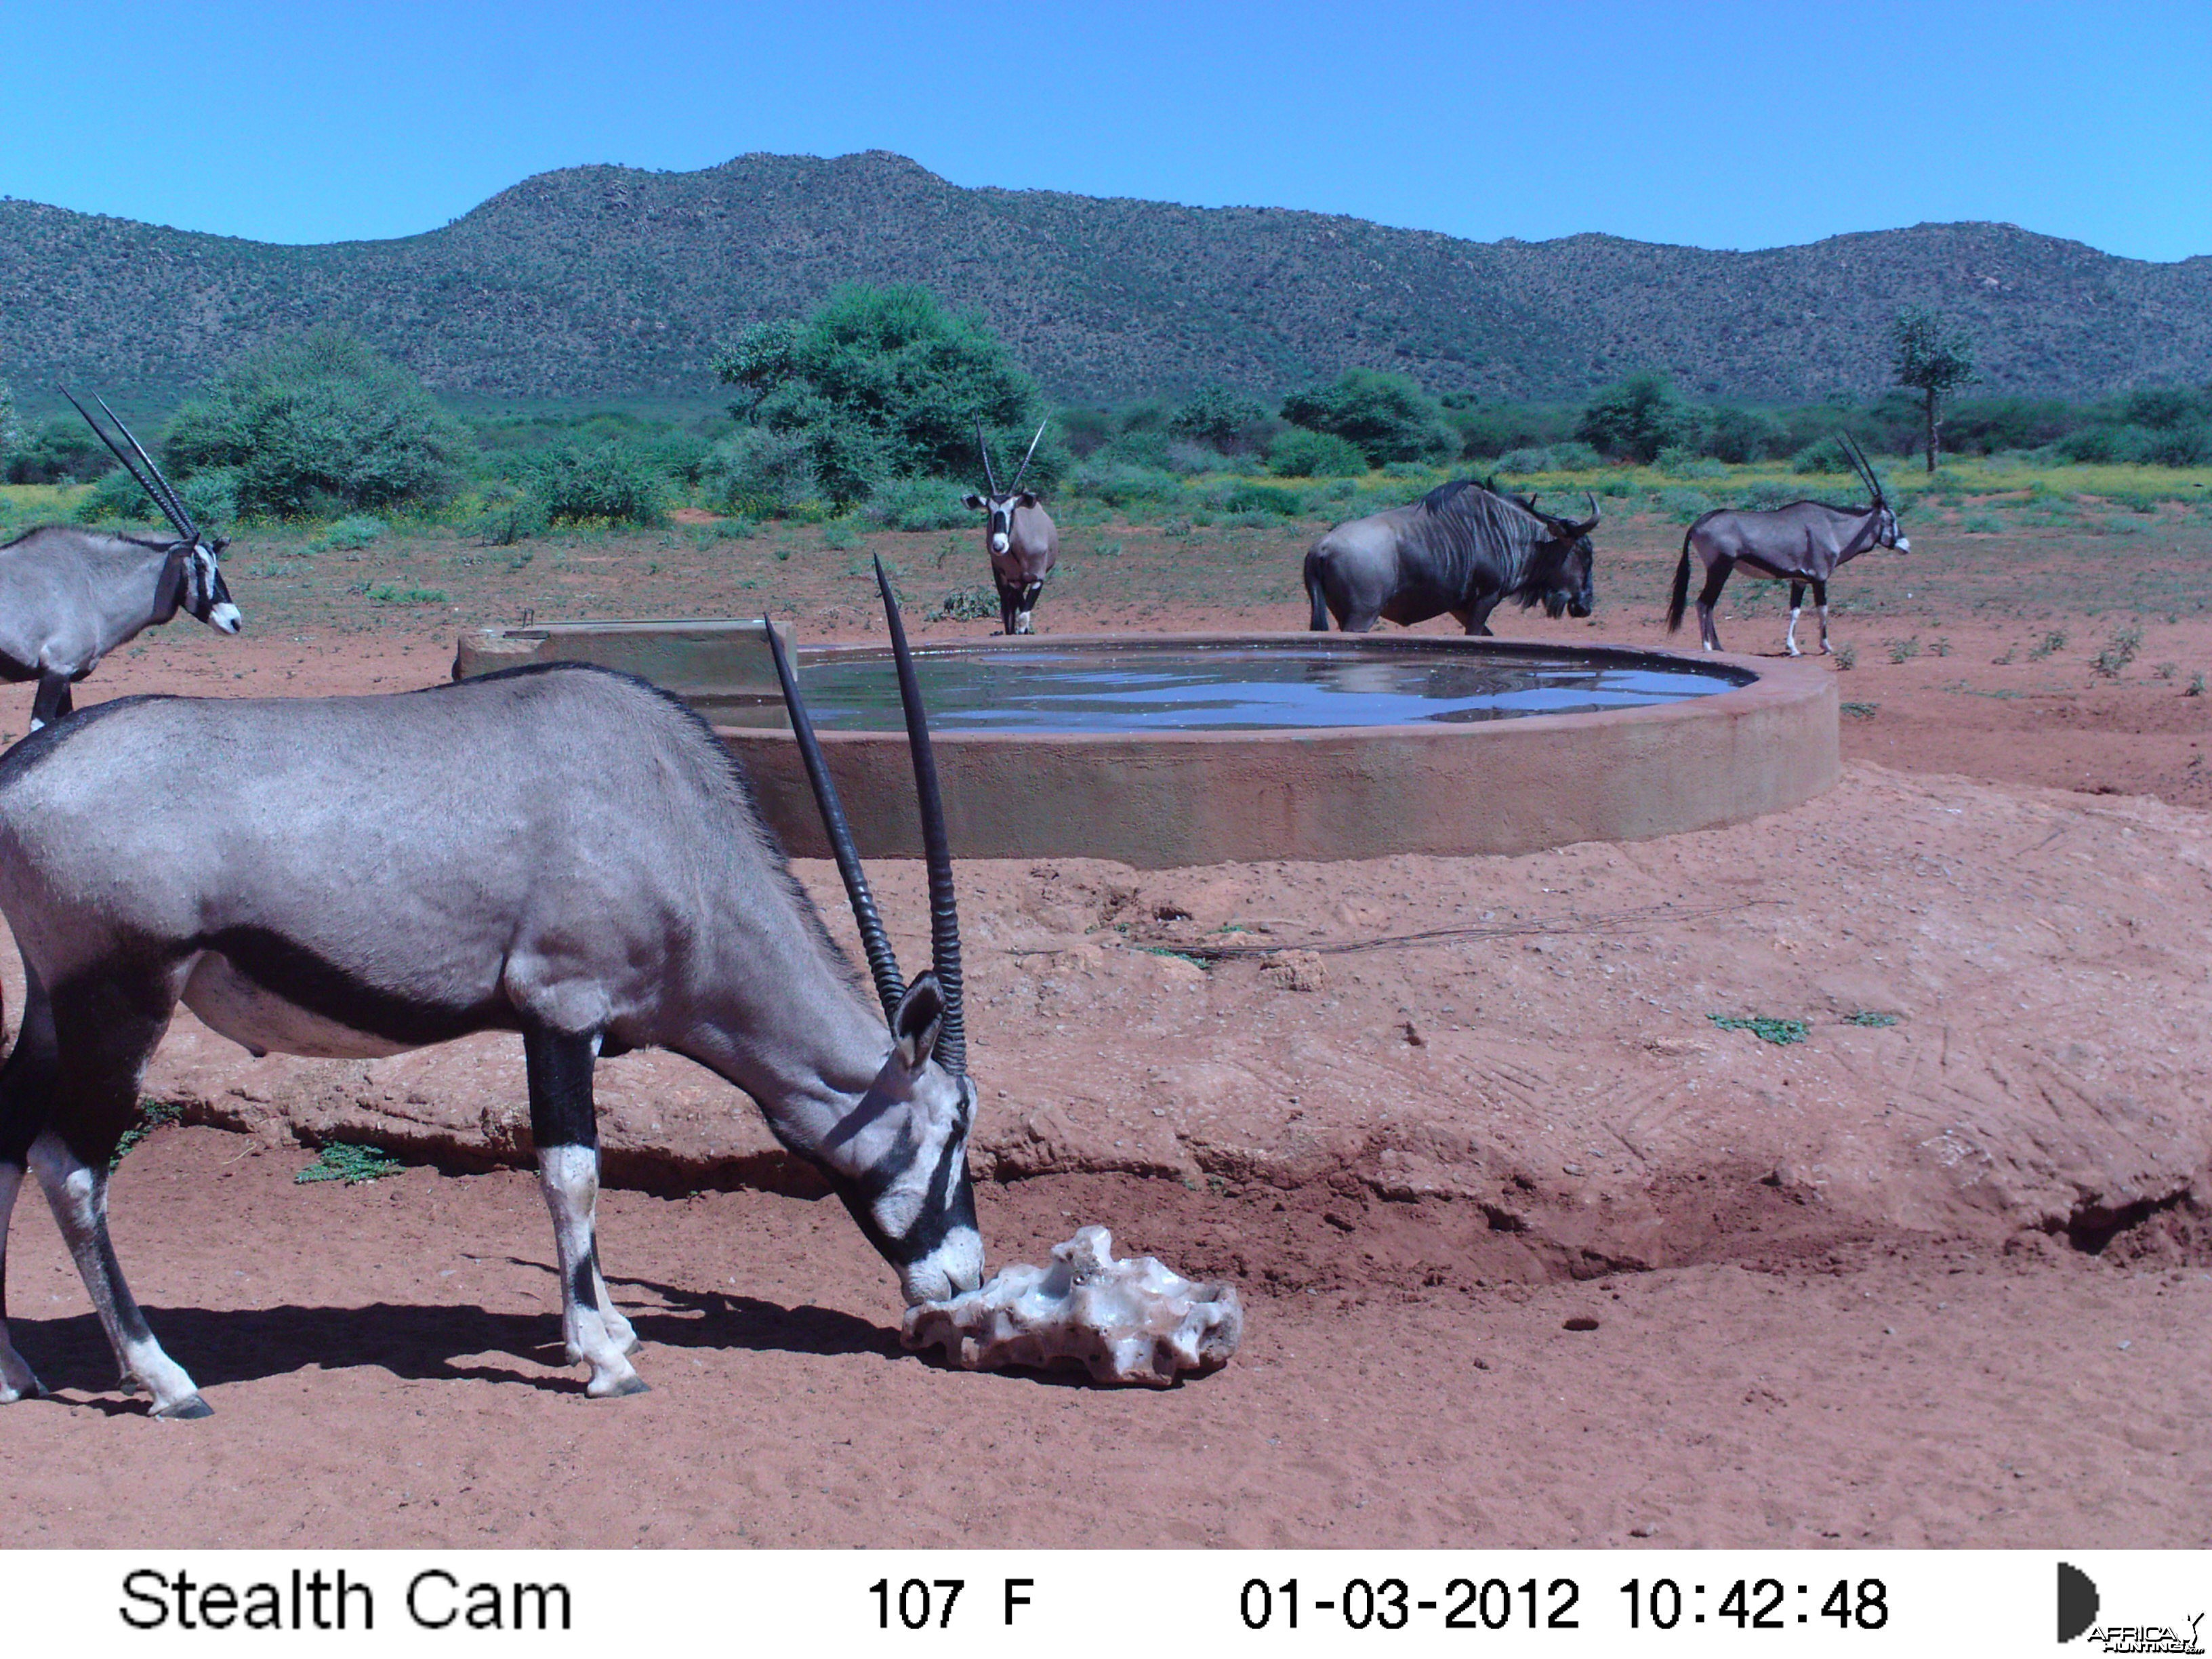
x,y
1850,1343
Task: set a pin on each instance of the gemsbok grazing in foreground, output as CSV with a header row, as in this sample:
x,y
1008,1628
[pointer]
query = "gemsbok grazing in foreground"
x,y
1461,548
1803,543
557,850
1020,536
68,596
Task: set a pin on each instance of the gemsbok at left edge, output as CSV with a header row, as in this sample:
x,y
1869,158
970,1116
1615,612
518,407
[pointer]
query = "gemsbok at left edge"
x,y
557,850
69,595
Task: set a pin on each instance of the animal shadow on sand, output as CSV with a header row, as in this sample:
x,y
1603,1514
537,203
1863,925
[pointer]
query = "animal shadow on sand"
x,y
426,1341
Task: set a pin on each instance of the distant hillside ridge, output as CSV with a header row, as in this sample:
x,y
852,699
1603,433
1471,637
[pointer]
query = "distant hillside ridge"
x,y
612,282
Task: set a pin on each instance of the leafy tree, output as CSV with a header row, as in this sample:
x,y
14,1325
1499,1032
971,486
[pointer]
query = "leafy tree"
x,y
610,483
58,450
885,383
1738,434
1217,416
1635,418
11,434
1388,417
319,423
1299,454
1931,358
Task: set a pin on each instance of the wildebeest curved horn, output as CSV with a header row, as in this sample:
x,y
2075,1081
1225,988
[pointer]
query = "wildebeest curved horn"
x,y
882,965
169,511
943,910
1597,513
1023,473
989,478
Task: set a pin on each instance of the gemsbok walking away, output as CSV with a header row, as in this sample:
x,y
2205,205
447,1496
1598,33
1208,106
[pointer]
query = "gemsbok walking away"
x,y
1461,548
70,596
1803,543
558,850
1020,536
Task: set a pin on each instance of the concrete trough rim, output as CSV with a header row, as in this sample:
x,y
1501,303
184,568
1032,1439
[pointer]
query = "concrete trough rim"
x,y
1168,799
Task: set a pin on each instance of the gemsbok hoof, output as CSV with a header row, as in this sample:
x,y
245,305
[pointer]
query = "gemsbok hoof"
x,y
190,1409
617,1388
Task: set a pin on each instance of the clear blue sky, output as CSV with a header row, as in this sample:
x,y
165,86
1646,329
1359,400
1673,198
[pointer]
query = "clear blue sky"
x,y
1721,125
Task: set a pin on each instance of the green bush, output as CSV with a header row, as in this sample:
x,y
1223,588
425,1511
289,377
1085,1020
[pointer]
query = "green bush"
x,y
357,532
1217,416
609,484
920,504
60,450
1388,417
1741,435
761,473
115,499
11,431
1685,506
1298,453
885,383
1123,486
1824,455
1264,498
1635,418
1678,461
316,423
509,516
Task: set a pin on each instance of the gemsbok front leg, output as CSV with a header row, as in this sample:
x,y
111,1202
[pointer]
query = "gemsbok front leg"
x,y
1796,604
52,701
103,1031
27,1088
564,1126
1820,599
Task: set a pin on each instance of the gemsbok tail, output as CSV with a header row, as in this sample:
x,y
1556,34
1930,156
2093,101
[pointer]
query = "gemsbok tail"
x,y
1680,597
1318,622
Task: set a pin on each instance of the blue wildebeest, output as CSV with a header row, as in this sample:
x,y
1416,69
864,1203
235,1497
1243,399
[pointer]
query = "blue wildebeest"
x,y
1020,536
1803,543
69,596
1461,548
557,850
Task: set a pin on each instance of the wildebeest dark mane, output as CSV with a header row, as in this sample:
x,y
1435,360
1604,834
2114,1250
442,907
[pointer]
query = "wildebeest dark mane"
x,y
1461,519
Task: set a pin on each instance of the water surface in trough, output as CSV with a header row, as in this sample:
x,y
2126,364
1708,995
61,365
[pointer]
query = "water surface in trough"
x,y
1242,687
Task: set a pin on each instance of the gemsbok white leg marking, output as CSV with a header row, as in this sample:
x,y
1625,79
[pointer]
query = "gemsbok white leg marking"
x,y
1789,638
77,1194
569,1177
17,1380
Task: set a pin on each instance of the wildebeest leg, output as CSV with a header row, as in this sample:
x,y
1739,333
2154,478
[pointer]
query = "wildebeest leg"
x,y
52,701
1820,599
27,1087
1475,619
1715,578
564,1125
103,1031
1796,604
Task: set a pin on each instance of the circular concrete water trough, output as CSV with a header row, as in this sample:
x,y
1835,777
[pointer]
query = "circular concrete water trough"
x,y
1168,749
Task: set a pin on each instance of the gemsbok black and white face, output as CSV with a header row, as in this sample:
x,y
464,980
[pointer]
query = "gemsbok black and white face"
x,y
917,1204
204,595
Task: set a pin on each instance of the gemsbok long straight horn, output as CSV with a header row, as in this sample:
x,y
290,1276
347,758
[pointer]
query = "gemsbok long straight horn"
x,y
69,596
558,851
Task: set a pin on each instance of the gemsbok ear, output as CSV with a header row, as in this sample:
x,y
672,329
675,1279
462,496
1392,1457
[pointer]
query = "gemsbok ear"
x,y
1026,499
916,1021
974,503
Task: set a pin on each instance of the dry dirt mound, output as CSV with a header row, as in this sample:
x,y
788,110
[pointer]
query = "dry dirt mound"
x,y
1508,1067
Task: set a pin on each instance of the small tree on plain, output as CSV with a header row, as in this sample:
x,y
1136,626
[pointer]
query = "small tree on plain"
x,y
1932,358
885,383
